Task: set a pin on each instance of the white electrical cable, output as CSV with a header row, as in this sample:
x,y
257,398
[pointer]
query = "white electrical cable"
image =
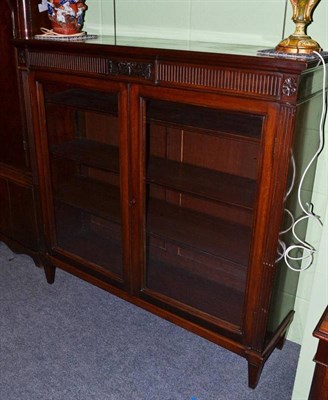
x,y
281,243
307,250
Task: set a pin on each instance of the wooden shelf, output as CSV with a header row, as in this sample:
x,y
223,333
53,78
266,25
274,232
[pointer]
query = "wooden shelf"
x,y
215,120
212,297
86,100
185,227
89,152
95,197
202,182
102,251
199,231
187,116
207,267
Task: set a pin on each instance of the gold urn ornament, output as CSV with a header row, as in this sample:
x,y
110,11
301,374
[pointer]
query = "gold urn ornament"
x,y
299,42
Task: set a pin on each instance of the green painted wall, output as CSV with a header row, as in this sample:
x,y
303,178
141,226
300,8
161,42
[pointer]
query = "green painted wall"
x,y
245,22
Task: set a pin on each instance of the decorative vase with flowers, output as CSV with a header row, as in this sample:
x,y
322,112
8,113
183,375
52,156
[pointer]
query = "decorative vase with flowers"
x,y
66,16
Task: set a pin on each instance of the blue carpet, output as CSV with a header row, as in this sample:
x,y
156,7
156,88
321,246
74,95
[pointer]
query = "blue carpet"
x,y
72,340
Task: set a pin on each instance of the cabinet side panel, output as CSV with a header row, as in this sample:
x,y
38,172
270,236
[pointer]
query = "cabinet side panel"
x,y
304,147
4,207
23,215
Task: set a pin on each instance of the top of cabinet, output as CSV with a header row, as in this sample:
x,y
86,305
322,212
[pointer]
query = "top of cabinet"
x,y
195,47
220,68
183,50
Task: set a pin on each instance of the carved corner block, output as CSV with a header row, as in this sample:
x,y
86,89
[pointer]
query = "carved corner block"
x,y
289,86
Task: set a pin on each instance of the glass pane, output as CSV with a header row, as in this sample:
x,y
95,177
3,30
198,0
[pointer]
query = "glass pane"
x,y
100,18
197,20
83,139
201,169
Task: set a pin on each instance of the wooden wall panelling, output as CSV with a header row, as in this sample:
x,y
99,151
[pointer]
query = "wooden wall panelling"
x,y
12,127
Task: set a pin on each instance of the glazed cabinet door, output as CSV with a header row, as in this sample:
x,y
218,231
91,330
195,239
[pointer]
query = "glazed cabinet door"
x,y
199,159
82,146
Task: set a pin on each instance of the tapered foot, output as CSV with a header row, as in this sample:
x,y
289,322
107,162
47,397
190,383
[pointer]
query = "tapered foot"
x,y
281,342
50,272
254,373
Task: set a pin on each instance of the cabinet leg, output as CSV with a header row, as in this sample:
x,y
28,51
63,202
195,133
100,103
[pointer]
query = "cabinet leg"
x,y
50,272
254,373
281,341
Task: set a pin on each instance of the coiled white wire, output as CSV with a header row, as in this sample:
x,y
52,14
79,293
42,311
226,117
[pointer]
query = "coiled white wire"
x,y
307,250
281,244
